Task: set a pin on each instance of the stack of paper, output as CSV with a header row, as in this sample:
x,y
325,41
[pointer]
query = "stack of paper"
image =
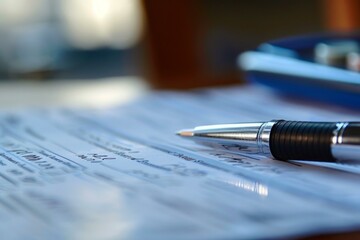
x,y
122,173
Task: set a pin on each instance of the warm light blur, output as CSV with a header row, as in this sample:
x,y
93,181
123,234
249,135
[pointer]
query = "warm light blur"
x,y
93,23
37,35
16,12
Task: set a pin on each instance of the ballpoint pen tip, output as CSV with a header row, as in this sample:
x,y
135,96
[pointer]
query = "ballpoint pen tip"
x,y
185,133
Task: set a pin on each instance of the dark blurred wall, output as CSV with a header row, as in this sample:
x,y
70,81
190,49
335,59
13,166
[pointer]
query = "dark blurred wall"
x,y
230,26
258,20
196,43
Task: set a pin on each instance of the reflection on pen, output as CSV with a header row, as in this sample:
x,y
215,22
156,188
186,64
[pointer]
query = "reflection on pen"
x,y
255,187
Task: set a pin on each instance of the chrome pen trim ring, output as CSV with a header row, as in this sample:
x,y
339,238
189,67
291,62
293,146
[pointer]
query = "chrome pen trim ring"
x,y
263,138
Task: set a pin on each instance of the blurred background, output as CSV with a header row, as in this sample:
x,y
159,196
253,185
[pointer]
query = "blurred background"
x,y
168,44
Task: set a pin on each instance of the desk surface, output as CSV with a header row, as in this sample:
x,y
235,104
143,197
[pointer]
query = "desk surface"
x,y
70,93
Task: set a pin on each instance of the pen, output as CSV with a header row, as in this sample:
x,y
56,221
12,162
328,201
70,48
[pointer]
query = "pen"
x,y
284,140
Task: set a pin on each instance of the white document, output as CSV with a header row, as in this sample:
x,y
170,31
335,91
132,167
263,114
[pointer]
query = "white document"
x,y
122,173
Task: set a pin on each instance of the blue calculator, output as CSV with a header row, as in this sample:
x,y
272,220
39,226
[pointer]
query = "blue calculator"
x,y
289,66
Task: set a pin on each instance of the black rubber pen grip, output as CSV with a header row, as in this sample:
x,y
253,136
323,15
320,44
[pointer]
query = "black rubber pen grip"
x,y
293,140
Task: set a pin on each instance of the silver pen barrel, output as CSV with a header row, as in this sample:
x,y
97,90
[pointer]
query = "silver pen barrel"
x,y
284,140
244,137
